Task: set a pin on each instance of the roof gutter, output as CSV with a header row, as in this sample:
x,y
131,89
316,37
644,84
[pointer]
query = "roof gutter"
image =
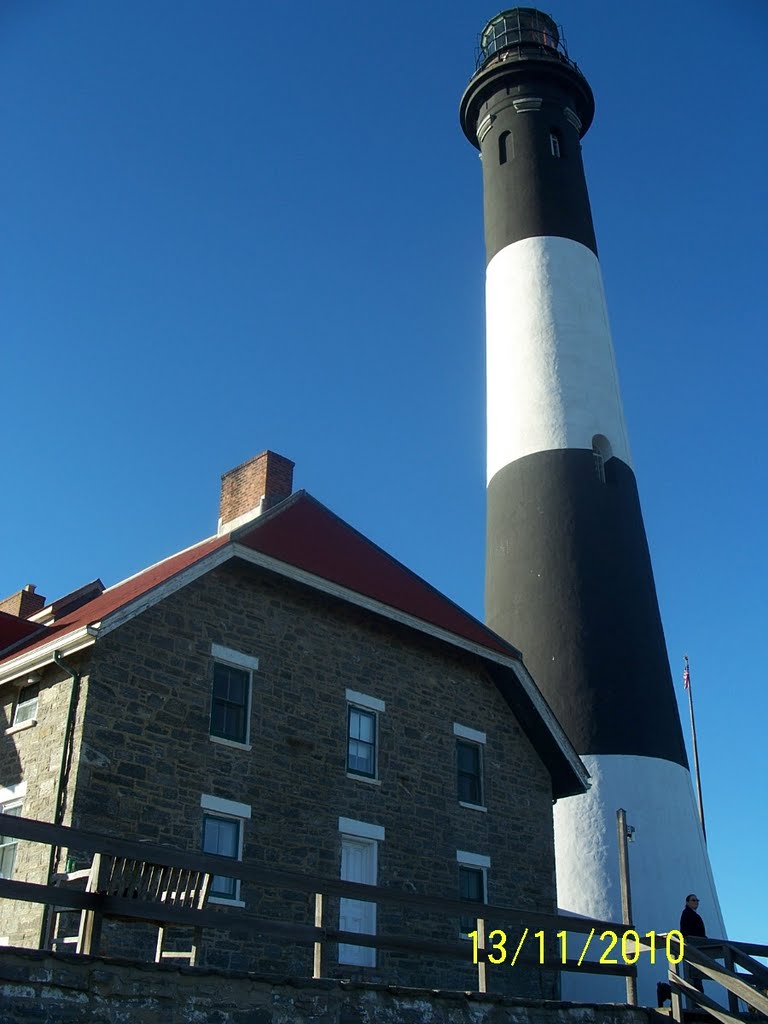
x,y
37,658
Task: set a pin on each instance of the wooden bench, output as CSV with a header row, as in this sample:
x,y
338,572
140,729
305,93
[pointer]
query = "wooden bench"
x,y
179,888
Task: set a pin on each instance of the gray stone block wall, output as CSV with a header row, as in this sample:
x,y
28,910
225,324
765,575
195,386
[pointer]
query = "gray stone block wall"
x,y
144,758
34,755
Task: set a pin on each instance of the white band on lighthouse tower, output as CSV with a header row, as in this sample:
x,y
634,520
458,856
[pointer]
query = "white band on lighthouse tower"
x,y
667,859
552,380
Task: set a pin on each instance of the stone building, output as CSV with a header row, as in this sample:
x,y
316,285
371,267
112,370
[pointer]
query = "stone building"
x,y
288,694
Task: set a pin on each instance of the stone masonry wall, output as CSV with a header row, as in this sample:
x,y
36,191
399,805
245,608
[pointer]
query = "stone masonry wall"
x,y
33,754
148,758
64,989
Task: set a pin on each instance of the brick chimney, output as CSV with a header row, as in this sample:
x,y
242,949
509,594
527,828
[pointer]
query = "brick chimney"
x,y
252,487
24,603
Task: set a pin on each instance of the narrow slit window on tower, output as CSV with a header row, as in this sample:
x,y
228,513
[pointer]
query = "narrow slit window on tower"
x,y
555,144
599,465
506,147
601,453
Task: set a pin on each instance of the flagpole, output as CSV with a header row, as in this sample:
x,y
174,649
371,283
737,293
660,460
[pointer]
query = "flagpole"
x,y
689,688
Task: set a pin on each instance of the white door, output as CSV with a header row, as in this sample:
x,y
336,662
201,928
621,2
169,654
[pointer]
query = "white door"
x,y
358,864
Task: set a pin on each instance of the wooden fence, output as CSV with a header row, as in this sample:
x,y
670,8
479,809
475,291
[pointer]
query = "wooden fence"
x,y
749,984
513,921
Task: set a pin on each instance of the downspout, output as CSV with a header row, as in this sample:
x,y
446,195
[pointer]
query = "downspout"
x,y
61,784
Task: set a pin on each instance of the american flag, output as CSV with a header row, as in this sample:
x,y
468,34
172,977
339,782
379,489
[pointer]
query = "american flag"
x,y
686,677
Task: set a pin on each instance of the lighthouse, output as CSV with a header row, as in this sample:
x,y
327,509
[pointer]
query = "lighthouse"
x,y
568,571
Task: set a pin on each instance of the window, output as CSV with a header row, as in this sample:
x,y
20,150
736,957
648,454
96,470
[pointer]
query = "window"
x,y
473,884
359,863
362,728
26,705
599,465
469,765
361,748
231,698
554,144
223,822
11,801
506,147
601,453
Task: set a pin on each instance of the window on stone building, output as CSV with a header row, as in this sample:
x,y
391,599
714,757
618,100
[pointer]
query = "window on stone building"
x,y
359,863
231,698
8,844
26,705
473,884
469,765
223,826
362,734
361,746
470,772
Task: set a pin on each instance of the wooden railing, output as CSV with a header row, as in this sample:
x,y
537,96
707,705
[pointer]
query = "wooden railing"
x,y
700,961
512,921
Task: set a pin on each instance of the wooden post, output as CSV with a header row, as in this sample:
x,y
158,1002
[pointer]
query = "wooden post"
x,y
482,967
317,968
89,935
626,893
728,963
677,1001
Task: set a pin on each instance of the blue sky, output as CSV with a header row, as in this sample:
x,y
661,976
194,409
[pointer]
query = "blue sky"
x,y
239,225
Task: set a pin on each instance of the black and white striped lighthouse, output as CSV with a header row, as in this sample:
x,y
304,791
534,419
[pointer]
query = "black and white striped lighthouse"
x,y
568,572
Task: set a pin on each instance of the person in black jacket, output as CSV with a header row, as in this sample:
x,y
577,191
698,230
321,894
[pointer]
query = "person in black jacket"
x,y
692,924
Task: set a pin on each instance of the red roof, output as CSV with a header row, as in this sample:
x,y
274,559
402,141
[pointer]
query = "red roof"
x,y
303,533
12,629
118,596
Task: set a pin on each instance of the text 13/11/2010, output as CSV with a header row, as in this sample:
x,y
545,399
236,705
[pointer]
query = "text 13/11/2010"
x,y
628,947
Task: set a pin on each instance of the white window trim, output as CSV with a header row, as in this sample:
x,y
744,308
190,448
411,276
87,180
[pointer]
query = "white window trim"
x,y
248,663
465,733
20,727
236,811
473,807
230,743
363,778
363,700
229,808
233,657
473,860
16,792
361,829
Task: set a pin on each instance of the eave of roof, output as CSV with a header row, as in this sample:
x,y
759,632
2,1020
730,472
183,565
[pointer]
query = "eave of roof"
x,y
114,598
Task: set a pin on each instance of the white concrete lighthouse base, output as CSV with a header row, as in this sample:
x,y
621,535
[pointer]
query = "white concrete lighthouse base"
x,y
667,860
